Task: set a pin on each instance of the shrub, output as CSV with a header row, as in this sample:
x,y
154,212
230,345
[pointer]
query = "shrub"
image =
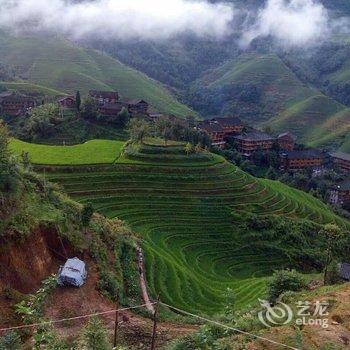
x,y
109,284
10,341
94,336
282,281
332,274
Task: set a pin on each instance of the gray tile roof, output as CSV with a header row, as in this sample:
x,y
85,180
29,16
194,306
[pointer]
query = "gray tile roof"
x,y
228,121
304,154
255,135
345,271
340,155
210,126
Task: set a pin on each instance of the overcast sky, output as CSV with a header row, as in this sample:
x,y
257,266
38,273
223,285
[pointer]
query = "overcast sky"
x,y
289,22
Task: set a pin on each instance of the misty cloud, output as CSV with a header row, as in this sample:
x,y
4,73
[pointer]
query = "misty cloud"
x,y
117,18
291,23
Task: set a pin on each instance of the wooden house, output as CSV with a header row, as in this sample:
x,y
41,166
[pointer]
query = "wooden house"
x,y
110,109
16,105
136,106
231,125
103,97
253,141
286,141
67,102
298,160
215,132
342,160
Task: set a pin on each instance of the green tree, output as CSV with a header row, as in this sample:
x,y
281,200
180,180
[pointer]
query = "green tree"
x,y
89,108
334,243
4,144
271,173
123,117
282,281
8,168
138,130
94,336
41,121
86,215
78,101
163,128
188,148
25,159
198,148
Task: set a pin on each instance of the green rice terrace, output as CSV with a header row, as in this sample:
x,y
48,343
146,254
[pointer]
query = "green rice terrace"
x,y
187,209
90,152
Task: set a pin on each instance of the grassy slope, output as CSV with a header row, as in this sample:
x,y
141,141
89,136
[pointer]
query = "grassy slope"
x,y
279,85
91,152
183,208
319,121
61,65
314,117
346,144
33,89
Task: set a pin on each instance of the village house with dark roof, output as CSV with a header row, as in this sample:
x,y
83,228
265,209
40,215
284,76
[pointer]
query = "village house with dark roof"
x,y
67,102
136,106
111,109
342,160
252,141
215,132
230,125
16,105
303,159
340,194
102,97
286,141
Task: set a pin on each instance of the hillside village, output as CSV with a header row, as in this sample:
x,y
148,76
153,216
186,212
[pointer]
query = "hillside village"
x,y
182,147
175,175
223,132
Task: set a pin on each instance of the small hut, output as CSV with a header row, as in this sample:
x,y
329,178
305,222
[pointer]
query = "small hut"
x,y
344,271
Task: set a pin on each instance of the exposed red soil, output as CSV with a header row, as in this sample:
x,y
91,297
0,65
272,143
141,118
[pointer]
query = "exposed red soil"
x,y
134,330
23,266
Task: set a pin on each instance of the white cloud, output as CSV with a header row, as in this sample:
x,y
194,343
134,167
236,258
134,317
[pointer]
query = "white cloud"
x,y
117,18
290,23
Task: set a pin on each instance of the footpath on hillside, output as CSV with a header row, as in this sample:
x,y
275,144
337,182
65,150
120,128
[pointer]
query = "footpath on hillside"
x,y
143,284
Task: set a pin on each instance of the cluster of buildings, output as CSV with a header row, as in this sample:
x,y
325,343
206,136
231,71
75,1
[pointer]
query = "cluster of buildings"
x,y
109,103
291,159
249,141
15,105
340,194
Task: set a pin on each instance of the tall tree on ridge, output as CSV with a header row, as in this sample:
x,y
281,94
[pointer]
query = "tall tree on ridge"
x,y
78,101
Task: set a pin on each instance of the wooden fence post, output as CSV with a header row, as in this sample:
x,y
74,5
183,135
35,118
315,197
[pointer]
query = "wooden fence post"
x,y
116,325
154,333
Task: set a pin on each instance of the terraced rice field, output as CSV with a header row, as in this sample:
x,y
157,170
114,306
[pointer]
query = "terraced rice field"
x,y
183,208
90,152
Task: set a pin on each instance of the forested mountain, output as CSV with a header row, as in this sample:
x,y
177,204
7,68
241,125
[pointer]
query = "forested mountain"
x,y
263,83
59,64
